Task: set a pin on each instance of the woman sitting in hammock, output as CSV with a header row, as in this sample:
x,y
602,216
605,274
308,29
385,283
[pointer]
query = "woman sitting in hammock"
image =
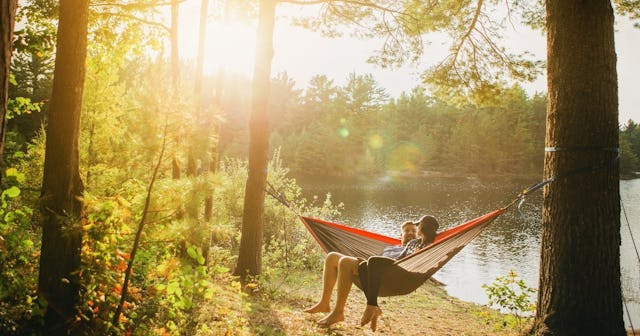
x,y
346,269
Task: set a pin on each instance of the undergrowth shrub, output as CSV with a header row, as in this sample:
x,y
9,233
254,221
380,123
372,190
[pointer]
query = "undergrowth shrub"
x,y
182,268
20,309
510,293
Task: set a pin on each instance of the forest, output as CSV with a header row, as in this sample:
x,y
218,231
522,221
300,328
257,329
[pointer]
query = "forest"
x,y
163,155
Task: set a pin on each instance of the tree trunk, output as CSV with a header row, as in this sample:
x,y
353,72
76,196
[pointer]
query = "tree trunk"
x,y
579,288
175,58
7,22
62,187
175,79
215,145
250,256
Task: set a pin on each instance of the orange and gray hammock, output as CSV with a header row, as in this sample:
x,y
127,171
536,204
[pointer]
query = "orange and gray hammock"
x,y
405,275
399,277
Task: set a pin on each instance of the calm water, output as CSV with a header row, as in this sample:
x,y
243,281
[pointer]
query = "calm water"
x,y
510,243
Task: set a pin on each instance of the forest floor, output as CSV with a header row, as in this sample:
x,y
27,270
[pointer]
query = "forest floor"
x,y
278,310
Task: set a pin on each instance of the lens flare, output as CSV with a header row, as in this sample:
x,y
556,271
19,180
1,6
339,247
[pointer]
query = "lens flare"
x,y
406,158
343,132
376,141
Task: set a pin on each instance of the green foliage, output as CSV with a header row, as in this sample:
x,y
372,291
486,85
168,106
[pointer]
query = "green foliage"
x,y
35,40
21,105
15,141
351,130
630,148
19,308
511,293
630,8
106,231
182,293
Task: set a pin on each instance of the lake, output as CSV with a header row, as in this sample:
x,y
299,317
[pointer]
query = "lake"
x,y
510,243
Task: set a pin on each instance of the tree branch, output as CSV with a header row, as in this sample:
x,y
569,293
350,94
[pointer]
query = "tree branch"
x,y
135,5
466,35
349,2
135,18
136,242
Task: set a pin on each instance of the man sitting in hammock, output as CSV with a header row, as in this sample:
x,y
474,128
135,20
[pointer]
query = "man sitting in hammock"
x,y
345,270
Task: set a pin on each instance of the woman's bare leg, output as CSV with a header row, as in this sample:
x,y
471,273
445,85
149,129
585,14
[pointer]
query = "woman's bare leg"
x,y
347,268
329,276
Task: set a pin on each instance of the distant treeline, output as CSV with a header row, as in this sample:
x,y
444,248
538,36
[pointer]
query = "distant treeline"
x,y
357,129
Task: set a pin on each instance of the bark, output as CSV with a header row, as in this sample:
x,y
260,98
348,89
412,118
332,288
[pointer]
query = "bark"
x,y
7,22
62,187
579,288
250,254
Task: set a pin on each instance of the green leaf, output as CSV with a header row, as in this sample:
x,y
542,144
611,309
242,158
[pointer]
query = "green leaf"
x,y
27,243
12,192
209,293
12,172
173,287
191,251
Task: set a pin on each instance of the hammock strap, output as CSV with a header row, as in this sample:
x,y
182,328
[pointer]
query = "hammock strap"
x,y
273,192
521,197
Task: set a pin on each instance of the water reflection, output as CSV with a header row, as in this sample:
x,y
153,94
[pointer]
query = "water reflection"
x,y
510,243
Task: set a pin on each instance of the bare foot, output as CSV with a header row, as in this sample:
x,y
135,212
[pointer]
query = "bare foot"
x,y
371,314
318,308
330,319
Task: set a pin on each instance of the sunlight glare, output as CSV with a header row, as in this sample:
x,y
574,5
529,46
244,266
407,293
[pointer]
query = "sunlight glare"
x,y
229,46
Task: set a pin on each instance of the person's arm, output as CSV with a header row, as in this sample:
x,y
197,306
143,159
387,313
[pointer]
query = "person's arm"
x,y
393,251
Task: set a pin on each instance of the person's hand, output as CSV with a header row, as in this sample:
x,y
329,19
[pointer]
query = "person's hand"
x,y
370,315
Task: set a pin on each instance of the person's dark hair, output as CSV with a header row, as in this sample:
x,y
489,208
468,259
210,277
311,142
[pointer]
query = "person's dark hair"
x,y
429,224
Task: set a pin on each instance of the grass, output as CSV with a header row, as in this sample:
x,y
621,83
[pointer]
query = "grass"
x,y
276,309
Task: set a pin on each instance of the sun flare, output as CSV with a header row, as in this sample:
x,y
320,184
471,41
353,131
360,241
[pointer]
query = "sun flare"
x,y
229,45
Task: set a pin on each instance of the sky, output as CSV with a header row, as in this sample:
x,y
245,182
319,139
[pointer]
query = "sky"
x,y
302,54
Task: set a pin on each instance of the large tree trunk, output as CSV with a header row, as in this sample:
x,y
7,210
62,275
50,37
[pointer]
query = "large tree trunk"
x,y
62,186
7,21
250,256
579,289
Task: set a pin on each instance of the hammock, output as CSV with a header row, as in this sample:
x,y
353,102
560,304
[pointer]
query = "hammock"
x,y
407,274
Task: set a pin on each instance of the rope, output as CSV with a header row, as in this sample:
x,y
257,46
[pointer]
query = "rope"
x,y
626,308
635,246
581,149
